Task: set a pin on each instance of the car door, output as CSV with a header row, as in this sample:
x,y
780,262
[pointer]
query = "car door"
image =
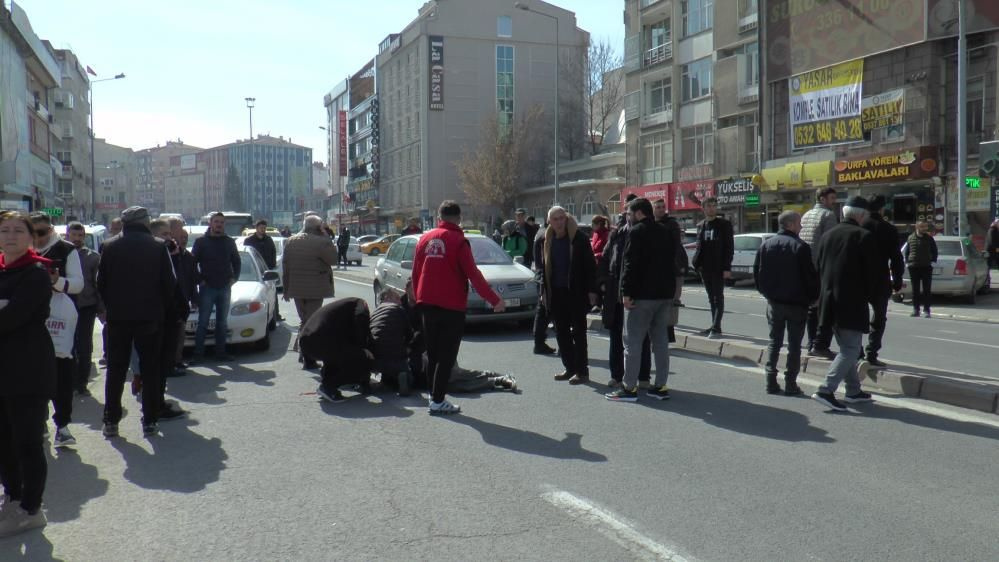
x,y
390,268
271,286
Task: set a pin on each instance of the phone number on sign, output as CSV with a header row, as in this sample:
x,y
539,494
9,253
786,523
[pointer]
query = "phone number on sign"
x,y
833,131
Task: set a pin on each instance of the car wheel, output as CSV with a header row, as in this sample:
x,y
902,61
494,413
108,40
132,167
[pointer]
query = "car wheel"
x,y
263,344
972,297
378,291
373,252
272,323
987,286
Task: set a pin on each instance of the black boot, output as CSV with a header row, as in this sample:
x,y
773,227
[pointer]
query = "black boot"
x,y
791,387
772,386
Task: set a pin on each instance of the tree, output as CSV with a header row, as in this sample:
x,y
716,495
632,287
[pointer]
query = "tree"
x,y
599,83
233,197
506,157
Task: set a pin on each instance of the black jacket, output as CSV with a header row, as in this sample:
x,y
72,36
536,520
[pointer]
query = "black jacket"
x,y
648,268
785,272
391,332
135,278
682,263
892,266
29,364
217,260
338,334
187,281
715,246
266,248
850,276
992,243
582,265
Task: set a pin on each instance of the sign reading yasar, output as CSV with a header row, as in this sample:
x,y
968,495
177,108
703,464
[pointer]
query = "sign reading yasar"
x,y
826,105
436,72
889,167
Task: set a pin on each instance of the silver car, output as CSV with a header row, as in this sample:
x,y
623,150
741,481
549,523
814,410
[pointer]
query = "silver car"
x,y
746,247
960,271
511,280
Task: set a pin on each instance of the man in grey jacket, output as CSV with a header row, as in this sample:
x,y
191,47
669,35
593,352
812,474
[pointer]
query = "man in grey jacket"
x,y
88,306
814,224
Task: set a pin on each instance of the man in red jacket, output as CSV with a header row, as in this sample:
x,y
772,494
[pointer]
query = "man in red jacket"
x,y
442,267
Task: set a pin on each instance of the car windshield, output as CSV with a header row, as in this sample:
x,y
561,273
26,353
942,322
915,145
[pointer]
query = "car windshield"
x,y
747,243
246,270
487,252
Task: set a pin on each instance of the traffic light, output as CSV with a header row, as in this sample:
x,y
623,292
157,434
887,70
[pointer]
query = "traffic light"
x,y
988,158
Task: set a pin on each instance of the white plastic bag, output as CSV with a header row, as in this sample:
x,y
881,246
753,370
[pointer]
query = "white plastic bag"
x,y
62,324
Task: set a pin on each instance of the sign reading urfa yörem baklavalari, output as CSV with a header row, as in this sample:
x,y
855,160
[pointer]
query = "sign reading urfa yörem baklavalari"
x,y
918,163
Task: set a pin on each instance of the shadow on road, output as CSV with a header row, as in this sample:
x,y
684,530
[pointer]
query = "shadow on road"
x,y
364,407
28,546
929,421
529,442
71,483
204,383
182,460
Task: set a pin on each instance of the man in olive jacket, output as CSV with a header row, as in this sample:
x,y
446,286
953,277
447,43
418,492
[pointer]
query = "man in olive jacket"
x,y
308,259
849,273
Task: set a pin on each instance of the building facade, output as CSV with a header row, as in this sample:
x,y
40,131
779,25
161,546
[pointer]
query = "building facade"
x,y
153,167
876,114
71,143
692,103
275,174
116,179
458,64
30,76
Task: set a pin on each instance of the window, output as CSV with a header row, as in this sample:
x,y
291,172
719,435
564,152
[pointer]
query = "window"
x,y
504,26
660,95
570,207
589,206
504,85
658,47
697,16
657,158
976,106
751,74
614,206
658,34
698,145
696,79
748,8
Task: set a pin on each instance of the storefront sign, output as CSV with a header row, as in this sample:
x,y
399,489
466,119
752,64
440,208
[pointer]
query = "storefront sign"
x,y
688,195
825,105
972,182
974,199
652,192
436,72
994,201
920,163
695,172
53,211
341,124
737,192
883,110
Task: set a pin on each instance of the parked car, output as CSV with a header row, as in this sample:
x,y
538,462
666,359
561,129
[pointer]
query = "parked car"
x,y
278,250
746,246
354,254
193,233
511,280
690,247
379,246
960,271
96,234
252,308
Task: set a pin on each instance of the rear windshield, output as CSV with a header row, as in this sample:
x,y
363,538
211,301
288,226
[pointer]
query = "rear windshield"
x,y
747,243
949,248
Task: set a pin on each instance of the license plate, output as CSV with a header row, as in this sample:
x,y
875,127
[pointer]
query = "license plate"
x,y
508,302
192,325
742,268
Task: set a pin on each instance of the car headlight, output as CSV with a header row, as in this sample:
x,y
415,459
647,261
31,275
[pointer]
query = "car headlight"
x,y
244,308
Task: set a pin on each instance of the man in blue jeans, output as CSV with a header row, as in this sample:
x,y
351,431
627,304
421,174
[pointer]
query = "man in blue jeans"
x,y
217,261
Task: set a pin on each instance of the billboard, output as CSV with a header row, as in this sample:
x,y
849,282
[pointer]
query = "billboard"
x,y
883,110
341,129
687,195
436,72
825,105
804,35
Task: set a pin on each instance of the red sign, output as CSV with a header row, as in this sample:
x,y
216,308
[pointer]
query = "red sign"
x,y
342,141
687,195
110,206
650,192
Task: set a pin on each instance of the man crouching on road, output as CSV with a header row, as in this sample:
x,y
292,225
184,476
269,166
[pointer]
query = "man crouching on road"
x,y
337,334
442,268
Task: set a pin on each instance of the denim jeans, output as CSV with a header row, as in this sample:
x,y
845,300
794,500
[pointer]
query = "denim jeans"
x,y
219,300
844,367
787,318
648,318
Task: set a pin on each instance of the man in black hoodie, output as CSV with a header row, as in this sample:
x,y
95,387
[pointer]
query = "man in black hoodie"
x,y
891,270
218,263
713,259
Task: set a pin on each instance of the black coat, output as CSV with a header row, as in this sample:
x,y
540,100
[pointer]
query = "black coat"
x,y
391,332
266,248
850,276
29,364
582,265
785,272
338,334
892,266
648,268
715,246
187,281
682,263
135,278
609,273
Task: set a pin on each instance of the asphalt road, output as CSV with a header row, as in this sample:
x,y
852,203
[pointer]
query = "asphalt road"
x,y
940,344
263,471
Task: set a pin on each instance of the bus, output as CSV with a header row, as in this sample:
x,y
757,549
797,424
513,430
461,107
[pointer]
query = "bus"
x,y
235,222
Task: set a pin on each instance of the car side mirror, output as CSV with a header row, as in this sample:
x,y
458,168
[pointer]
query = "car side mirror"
x,y
406,264
519,259
271,275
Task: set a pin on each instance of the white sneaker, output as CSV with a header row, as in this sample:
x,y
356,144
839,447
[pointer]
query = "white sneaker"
x,y
63,438
7,506
19,521
444,408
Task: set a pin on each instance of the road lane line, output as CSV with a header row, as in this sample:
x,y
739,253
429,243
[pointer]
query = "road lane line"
x,y
345,280
958,341
611,526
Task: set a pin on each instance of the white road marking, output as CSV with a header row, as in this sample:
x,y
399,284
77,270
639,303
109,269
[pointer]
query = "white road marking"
x,y
959,341
948,331
611,526
345,280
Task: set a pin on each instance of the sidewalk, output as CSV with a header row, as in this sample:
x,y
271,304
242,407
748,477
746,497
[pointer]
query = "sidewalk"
x,y
965,390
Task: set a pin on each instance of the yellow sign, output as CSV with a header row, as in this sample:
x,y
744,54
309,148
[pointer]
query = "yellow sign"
x,y
883,110
833,131
825,105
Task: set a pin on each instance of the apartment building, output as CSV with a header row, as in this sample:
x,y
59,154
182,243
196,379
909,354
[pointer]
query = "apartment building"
x,y
692,107
30,74
152,167
115,178
440,79
873,113
71,141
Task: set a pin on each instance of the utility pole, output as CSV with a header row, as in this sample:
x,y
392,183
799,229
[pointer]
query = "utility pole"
x,y
962,120
250,102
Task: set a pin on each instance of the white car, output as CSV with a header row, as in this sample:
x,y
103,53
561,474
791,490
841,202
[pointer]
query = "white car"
x,y
252,306
193,233
354,254
746,247
279,252
960,271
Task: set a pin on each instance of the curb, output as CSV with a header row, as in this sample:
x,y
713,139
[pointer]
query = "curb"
x,y
980,397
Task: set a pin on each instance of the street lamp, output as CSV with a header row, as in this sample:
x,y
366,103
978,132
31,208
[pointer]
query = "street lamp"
x,y
93,166
250,103
526,8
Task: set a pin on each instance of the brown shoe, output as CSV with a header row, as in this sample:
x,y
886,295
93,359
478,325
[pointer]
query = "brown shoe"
x,y
564,376
577,379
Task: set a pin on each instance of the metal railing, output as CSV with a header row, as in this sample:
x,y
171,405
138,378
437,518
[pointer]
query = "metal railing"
x,y
659,54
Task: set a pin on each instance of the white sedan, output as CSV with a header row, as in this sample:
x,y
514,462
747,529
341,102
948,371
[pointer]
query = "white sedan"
x,y
252,306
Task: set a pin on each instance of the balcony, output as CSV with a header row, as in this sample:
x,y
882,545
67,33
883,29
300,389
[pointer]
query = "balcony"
x,y
647,3
659,118
748,23
66,172
659,54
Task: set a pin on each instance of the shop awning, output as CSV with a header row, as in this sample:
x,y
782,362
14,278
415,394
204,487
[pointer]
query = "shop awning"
x,y
787,176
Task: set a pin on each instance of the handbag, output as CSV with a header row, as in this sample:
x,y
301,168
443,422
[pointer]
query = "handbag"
x,y
62,324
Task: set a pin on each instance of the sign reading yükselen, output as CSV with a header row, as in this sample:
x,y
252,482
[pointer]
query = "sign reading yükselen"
x,y
883,110
920,163
825,105
436,72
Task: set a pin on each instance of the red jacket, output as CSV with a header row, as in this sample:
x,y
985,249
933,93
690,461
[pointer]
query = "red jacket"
x,y
598,240
443,266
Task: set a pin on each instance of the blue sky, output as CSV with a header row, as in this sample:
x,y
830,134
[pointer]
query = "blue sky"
x,y
190,63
